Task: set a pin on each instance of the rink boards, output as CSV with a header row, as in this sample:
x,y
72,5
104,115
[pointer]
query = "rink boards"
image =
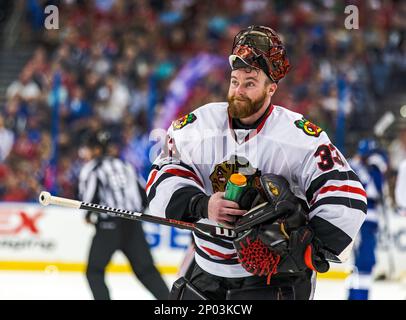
x,y
47,239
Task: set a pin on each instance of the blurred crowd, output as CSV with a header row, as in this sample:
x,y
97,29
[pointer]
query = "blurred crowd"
x,y
117,59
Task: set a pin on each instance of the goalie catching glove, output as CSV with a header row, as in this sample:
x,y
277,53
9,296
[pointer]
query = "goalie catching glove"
x,y
274,237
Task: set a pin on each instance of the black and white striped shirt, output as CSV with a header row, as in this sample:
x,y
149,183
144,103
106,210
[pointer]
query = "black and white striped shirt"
x,y
112,182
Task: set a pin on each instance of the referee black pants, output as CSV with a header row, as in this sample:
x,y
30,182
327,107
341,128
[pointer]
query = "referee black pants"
x,y
127,236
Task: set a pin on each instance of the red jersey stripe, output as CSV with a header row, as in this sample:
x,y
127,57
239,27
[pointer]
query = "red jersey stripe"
x,y
185,173
151,179
219,254
344,188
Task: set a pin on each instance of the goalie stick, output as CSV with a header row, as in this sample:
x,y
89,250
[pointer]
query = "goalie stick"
x,y
45,198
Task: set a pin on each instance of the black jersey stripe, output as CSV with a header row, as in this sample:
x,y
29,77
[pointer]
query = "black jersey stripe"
x,y
320,181
166,175
152,190
178,206
218,240
204,255
332,237
180,164
348,202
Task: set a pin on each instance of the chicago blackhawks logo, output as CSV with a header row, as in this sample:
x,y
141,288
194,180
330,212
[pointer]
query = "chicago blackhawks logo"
x,y
182,122
309,128
235,164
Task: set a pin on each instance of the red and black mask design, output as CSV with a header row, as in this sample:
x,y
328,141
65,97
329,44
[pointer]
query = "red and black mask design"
x,y
260,47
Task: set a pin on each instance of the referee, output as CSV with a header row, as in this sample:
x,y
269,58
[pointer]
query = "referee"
x,y
109,181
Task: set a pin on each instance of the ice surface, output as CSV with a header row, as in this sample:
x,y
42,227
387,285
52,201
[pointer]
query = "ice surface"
x,y
53,285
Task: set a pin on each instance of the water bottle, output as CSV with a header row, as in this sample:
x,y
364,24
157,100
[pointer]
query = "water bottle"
x,y
235,187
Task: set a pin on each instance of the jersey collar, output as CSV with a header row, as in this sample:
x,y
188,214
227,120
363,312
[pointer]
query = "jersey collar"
x,y
252,132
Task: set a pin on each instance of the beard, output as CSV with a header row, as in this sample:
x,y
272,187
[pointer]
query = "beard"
x,y
243,107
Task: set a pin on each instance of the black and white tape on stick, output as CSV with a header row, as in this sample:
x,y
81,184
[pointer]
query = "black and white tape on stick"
x,y
45,198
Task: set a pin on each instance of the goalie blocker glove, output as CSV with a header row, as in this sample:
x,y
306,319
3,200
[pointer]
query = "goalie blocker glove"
x,y
274,237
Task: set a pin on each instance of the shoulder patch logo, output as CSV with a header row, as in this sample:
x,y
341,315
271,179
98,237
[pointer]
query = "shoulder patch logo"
x,y
309,128
184,121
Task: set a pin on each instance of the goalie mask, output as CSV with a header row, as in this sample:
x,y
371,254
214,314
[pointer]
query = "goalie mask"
x,y
261,48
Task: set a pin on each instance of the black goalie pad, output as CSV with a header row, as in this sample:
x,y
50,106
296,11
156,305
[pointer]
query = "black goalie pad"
x,y
276,188
279,202
265,212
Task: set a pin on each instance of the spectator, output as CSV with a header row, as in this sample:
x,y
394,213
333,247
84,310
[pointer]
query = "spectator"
x,y
6,140
118,59
24,88
113,102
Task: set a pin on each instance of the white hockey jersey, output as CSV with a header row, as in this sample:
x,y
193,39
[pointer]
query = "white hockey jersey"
x,y
203,150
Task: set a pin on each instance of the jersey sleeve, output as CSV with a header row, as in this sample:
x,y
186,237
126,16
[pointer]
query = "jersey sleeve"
x,y
173,180
335,196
